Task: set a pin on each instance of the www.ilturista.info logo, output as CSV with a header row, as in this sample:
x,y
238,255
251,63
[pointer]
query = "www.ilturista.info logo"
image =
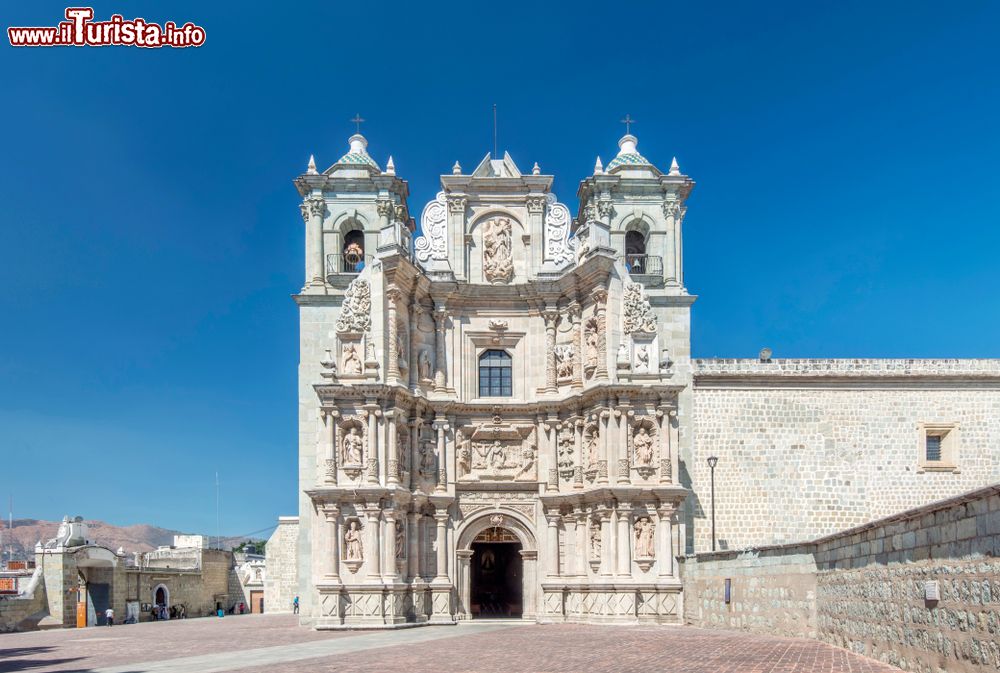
x,y
80,30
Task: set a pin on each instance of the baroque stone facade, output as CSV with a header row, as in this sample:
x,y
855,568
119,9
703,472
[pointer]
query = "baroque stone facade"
x,y
502,417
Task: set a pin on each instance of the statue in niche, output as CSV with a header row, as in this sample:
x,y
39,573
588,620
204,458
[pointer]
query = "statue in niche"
x,y
592,448
353,446
400,540
353,548
498,265
564,361
370,351
643,443
595,540
642,358
425,365
566,450
644,529
527,459
401,361
590,337
623,359
464,454
403,450
427,461
351,362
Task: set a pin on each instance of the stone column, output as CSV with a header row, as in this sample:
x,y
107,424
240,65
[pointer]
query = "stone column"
x,y
601,309
312,212
332,513
578,452
624,563
529,563
666,467
552,516
392,295
550,316
570,543
440,368
392,457
604,428
552,451
414,360
373,412
330,445
413,545
441,426
415,424
607,542
372,553
664,541
441,517
579,344
463,578
674,445
383,207
624,445
582,540
389,571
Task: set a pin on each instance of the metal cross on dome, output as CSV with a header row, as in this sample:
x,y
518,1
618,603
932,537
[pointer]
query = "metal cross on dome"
x,y
358,121
628,121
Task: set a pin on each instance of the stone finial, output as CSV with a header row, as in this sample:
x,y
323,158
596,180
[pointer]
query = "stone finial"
x,y
628,145
598,166
311,168
674,168
359,145
535,170
390,167
456,169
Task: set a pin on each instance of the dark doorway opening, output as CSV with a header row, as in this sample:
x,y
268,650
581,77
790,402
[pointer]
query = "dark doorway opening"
x,y
100,598
496,579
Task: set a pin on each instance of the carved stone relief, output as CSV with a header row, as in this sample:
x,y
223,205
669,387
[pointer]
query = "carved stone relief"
x,y
567,449
497,451
592,346
426,367
353,542
644,531
644,446
434,224
564,361
350,359
637,314
356,311
559,247
498,261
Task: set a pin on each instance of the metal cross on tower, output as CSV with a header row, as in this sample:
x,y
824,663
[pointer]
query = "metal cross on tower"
x,y
358,121
628,121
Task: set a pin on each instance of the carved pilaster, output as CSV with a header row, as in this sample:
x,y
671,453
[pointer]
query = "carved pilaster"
x,y
312,209
579,347
442,427
393,295
332,515
413,356
440,327
601,313
550,316
330,432
392,456
372,412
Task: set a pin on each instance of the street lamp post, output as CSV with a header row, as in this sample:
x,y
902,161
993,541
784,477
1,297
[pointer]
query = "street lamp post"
x,y
712,462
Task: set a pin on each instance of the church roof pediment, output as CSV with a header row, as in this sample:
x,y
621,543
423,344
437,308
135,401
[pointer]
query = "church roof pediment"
x,y
497,168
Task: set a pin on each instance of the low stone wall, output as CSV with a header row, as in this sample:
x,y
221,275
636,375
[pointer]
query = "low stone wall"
x,y
772,591
864,589
23,614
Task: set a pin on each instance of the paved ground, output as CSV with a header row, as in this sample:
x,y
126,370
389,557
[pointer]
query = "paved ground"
x,y
269,643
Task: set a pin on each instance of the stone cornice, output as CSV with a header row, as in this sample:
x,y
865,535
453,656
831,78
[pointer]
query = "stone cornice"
x,y
860,372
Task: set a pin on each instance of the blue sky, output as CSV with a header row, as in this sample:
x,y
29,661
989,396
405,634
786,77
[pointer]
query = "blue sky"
x,y
845,155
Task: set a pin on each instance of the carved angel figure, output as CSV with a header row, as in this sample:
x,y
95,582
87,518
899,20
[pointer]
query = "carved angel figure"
x,y
642,358
353,549
566,449
464,456
350,362
644,529
643,443
498,266
353,445
591,339
425,365
564,361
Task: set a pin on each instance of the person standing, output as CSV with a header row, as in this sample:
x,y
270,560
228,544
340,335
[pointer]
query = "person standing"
x,y
295,606
109,615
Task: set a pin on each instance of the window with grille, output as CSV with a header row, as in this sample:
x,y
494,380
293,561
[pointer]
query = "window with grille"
x,y
495,374
933,448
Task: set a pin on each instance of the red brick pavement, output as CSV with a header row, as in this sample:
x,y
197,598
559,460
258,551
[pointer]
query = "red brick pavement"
x,y
529,648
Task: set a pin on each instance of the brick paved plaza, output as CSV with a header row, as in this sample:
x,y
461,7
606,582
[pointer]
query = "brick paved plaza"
x,y
262,643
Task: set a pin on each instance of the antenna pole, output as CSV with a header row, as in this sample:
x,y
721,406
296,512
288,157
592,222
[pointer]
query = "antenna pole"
x,y
494,130
218,537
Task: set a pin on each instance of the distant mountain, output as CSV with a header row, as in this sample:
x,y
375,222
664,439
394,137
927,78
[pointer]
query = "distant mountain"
x,y
140,537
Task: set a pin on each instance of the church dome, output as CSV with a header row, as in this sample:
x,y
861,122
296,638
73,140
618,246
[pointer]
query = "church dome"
x,y
628,155
358,154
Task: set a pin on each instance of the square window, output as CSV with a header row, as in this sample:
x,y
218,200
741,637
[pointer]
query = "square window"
x,y
938,447
933,448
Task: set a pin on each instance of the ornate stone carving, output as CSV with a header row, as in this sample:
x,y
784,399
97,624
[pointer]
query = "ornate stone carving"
x,y
498,452
536,204
313,205
403,450
567,449
426,369
498,261
595,540
642,358
434,224
605,209
637,314
457,204
644,531
428,459
564,361
352,452
354,549
591,441
559,247
356,311
622,359
592,343
400,540
672,208
642,443
350,362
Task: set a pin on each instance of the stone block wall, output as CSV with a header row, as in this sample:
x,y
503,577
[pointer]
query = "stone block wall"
x,y
23,613
807,448
772,591
869,587
281,584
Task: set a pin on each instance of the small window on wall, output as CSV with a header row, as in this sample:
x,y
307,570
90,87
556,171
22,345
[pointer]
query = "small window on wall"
x,y
495,378
938,447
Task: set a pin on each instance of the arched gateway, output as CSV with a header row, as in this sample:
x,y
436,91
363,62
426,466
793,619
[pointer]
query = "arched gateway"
x,y
497,558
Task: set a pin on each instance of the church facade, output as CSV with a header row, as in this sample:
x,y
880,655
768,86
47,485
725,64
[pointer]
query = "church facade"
x,y
501,417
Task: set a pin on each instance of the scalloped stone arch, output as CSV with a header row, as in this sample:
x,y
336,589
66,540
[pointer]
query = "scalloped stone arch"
x,y
514,521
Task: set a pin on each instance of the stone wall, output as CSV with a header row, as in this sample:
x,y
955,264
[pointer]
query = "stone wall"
x,y
807,448
23,613
869,587
281,584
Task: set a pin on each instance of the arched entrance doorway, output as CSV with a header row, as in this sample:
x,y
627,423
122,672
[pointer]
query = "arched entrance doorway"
x,y
496,575
497,559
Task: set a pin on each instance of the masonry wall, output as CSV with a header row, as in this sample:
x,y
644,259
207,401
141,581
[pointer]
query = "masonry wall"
x,y
869,587
807,448
23,614
281,584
